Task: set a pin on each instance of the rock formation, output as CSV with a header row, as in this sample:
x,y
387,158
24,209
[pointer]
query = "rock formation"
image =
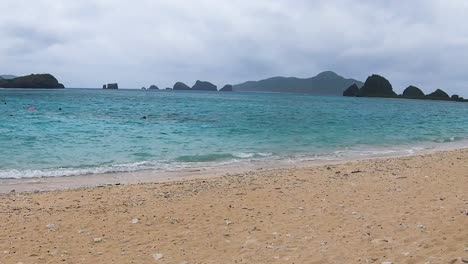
x,y
180,86
438,95
153,87
204,86
376,86
113,86
39,81
353,90
413,92
226,88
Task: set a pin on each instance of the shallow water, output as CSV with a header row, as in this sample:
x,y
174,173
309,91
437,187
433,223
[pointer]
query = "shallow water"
x,y
83,131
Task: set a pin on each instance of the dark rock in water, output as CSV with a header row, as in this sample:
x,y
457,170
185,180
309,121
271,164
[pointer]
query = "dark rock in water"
x,y
376,86
204,86
40,81
353,90
455,97
153,87
104,86
413,92
226,88
112,86
180,86
438,95
143,88
169,88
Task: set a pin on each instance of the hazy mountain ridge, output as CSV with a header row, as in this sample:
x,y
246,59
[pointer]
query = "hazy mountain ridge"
x,y
8,76
325,83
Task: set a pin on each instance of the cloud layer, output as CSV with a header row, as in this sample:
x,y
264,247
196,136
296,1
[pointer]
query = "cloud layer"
x,y
137,43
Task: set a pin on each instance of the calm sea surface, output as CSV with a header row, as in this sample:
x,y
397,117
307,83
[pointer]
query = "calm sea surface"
x,y
81,131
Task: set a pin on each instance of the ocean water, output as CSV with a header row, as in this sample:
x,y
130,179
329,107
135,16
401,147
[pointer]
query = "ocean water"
x,y
84,131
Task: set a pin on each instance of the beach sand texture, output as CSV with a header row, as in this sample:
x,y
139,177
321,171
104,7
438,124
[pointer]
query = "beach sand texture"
x,y
400,210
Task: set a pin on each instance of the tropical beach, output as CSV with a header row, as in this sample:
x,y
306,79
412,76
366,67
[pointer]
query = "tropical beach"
x,y
234,132
392,210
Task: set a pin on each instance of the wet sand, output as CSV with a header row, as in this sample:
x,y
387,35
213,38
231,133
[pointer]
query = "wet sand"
x,y
401,210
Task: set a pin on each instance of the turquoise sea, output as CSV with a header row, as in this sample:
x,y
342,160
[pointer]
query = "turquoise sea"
x,y
86,131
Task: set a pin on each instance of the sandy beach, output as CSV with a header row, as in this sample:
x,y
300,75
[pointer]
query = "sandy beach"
x,y
394,210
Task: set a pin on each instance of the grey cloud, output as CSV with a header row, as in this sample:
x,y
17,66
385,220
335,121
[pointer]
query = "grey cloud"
x,y
86,43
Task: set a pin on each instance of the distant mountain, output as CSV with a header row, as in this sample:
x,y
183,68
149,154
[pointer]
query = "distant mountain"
x,y
325,83
8,76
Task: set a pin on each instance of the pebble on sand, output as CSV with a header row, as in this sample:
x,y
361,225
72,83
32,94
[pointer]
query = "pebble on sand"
x,y
135,221
157,256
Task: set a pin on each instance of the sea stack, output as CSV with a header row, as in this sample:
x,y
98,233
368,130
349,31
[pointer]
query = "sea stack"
x,y
204,86
153,87
112,86
226,88
376,86
352,91
438,95
180,86
413,92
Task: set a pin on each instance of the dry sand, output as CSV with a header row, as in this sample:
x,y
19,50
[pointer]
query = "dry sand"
x,y
401,210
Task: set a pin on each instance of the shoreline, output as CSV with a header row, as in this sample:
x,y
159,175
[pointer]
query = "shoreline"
x,y
402,210
58,183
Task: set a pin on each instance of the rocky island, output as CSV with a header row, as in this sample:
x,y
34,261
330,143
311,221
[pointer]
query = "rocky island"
x,y
111,86
180,86
413,92
34,81
438,95
204,86
226,88
378,86
353,90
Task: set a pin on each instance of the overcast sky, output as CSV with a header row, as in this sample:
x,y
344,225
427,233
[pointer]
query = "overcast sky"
x,y
136,43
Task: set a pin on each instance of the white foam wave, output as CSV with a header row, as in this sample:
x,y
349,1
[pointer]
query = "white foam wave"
x,y
250,157
244,155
